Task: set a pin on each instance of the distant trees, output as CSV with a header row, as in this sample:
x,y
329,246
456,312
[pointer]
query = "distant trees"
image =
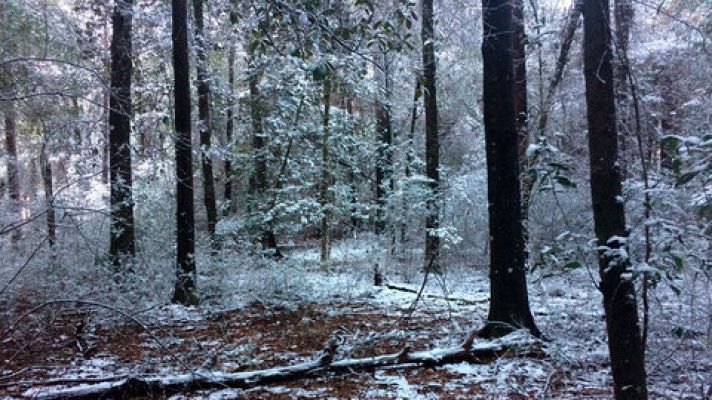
x,y
185,285
617,285
509,302
122,241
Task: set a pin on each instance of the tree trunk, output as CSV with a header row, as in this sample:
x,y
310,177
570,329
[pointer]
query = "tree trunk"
x,y
76,111
185,285
409,160
567,40
509,302
619,300
204,121
324,198
268,239
13,169
432,145
230,125
121,237
384,159
49,195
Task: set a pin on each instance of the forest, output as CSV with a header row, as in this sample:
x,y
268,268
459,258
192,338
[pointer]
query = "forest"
x,y
356,199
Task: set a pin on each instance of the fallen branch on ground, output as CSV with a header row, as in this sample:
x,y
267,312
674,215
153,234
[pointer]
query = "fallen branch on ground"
x,y
519,342
459,300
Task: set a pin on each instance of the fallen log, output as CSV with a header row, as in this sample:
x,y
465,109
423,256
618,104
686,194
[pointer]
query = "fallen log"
x,y
519,342
459,300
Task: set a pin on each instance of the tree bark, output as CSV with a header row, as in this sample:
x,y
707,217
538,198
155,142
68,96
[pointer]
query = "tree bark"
x,y
432,144
384,159
49,195
324,197
204,120
268,240
562,59
13,168
185,285
619,299
229,128
509,302
121,238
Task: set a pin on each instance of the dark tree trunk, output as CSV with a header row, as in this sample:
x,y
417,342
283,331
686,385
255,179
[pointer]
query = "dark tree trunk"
x,y
324,197
258,182
76,111
230,125
49,196
13,168
204,121
509,302
121,237
185,286
409,158
384,159
432,145
619,300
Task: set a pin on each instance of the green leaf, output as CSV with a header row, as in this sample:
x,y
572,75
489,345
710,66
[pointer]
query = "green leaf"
x,y
678,261
572,265
685,178
564,181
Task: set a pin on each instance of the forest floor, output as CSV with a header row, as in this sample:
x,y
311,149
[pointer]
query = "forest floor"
x,y
63,344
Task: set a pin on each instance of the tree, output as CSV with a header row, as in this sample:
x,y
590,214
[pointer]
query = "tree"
x,y
122,242
432,145
46,165
229,128
384,157
509,302
568,37
13,165
185,285
204,120
619,299
324,197
258,182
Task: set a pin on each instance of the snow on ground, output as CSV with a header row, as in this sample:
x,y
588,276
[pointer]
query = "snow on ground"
x,y
257,311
